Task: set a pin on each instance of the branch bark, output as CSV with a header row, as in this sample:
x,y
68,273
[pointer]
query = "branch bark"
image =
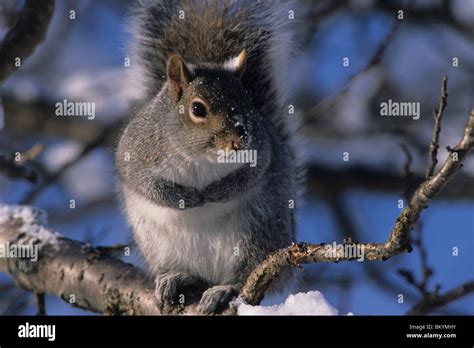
x,y
101,283
81,275
438,115
398,241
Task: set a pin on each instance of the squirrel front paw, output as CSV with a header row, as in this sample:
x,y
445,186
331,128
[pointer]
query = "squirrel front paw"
x,y
215,299
169,287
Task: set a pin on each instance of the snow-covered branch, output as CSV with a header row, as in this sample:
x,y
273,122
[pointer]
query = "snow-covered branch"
x,y
84,276
91,279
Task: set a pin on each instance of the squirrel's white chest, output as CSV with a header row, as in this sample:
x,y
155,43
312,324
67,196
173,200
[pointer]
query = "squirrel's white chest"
x,y
204,241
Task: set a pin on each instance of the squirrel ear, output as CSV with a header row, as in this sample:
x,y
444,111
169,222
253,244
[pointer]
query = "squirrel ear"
x,y
238,63
178,75
241,62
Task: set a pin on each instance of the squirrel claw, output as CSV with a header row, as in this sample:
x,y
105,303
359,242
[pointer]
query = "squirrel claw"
x,y
169,287
215,299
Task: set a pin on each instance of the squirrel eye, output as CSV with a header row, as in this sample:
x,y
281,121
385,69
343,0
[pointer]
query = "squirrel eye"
x,y
198,109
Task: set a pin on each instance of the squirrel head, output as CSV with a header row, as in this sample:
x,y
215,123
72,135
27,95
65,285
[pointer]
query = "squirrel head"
x,y
213,111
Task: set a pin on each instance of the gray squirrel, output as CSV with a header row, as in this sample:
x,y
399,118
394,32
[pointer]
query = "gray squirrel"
x,y
215,78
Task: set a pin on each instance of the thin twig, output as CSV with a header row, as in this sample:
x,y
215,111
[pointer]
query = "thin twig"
x,y
32,153
40,302
441,15
427,272
321,178
126,290
408,275
407,173
20,169
328,102
435,301
398,241
438,115
53,177
348,227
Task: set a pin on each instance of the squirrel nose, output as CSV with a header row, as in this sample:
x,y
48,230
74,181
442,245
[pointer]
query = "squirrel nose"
x,y
237,142
236,145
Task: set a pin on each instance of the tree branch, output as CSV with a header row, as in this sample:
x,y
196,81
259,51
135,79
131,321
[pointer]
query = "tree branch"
x,y
321,178
90,278
398,241
50,178
35,118
437,114
10,169
81,275
16,165
40,302
21,40
435,301
101,283
328,102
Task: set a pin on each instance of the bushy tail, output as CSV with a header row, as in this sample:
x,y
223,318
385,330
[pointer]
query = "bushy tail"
x,y
213,31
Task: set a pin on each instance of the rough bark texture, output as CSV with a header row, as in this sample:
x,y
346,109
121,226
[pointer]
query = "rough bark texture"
x,y
398,241
104,284
71,269
91,279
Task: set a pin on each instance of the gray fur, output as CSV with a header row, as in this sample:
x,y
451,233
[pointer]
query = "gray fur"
x,y
214,31
196,220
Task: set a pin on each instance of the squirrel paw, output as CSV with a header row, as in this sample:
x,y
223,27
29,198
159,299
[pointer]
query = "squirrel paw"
x,y
169,286
215,299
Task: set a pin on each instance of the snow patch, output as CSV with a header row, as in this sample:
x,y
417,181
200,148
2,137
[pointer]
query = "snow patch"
x,y
308,303
33,224
27,214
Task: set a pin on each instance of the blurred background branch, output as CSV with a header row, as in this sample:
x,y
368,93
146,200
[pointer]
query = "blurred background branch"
x,y
28,31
